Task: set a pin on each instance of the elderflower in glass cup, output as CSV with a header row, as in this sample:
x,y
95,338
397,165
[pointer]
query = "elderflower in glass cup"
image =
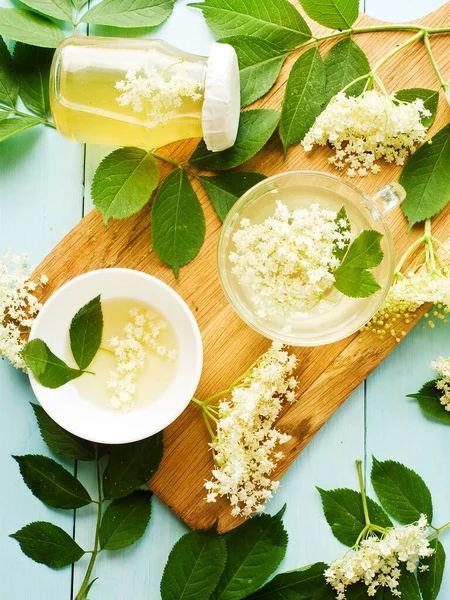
x,y
299,305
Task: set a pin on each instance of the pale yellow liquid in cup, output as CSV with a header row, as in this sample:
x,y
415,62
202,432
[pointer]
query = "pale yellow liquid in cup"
x,y
152,380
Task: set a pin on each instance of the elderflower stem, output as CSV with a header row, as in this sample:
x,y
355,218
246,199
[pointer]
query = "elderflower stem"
x,y
417,36
426,40
439,530
408,253
166,159
363,492
96,550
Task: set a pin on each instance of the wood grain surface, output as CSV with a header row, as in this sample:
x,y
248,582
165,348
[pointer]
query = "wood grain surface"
x,y
328,374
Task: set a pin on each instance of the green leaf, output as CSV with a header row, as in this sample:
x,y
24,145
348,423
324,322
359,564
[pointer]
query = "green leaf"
x,y
129,13
301,584
49,370
194,566
60,9
407,586
276,22
426,178
29,27
335,14
343,227
178,222
358,591
125,520
224,190
15,125
260,64
344,63
255,129
430,101
430,580
86,331
124,182
304,98
353,277
61,441
344,513
9,82
429,398
255,549
88,589
33,67
130,466
401,491
48,544
51,483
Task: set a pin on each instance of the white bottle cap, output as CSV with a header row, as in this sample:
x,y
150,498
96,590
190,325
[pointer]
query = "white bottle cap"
x,y
221,106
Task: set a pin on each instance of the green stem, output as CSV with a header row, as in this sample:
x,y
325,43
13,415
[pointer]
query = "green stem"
x,y
426,40
166,159
408,253
96,550
19,113
397,49
363,492
208,426
439,530
89,372
107,350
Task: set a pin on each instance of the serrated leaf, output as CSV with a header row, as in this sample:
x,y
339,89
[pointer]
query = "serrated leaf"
x,y
224,190
429,398
178,222
130,466
9,82
358,591
86,331
344,63
129,13
48,544
335,14
51,483
15,125
301,584
125,520
276,22
353,277
430,101
60,9
61,441
194,566
430,580
304,97
29,27
401,491
255,549
344,513
260,64
426,178
33,68
343,228
124,182
255,129
49,370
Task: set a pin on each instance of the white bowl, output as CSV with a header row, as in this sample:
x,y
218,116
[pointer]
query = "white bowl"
x,y
91,421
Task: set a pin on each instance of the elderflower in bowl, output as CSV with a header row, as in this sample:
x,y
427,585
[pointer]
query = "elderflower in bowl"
x,y
306,257
146,366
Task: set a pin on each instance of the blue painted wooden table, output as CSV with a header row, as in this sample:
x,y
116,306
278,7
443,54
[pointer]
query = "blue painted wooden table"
x,y
44,191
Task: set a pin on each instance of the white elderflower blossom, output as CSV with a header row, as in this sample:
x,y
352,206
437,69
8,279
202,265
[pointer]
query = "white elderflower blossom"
x,y
376,562
159,94
18,306
286,262
366,128
442,367
142,333
246,444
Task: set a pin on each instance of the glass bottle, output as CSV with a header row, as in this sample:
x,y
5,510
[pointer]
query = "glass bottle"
x,y
144,92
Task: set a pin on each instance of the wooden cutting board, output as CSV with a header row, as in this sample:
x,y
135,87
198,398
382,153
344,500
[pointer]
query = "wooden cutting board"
x,y
328,374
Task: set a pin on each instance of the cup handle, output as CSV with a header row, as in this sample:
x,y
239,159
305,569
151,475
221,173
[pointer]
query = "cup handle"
x,y
388,197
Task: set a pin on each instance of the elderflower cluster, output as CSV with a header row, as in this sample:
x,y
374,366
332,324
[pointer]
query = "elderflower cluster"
x,y
246,443
366,128
18,306
156,94
407,294
286,262
377,561
142,333
442,367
